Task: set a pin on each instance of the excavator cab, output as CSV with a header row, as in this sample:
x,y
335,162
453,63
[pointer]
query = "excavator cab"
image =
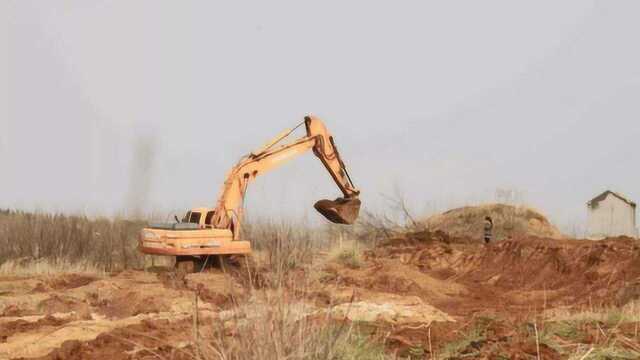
x,y
340,210
199,216
192,217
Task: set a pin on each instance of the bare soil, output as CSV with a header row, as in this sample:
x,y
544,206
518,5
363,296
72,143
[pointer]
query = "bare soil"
x,y
127,315
500,289
424,291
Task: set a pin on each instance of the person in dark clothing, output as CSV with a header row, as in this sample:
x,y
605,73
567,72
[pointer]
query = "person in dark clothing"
x,y
488,229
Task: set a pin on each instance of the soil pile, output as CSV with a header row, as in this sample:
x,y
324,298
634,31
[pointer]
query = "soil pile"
x,y
573,271
523,271
495,294
509,222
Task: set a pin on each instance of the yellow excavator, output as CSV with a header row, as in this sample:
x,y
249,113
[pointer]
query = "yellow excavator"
x,y
216,231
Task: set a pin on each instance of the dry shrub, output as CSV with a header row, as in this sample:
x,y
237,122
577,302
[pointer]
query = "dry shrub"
x,y
396,220
101,244
374,228
578,327
280,247
280,327
110,244
347,254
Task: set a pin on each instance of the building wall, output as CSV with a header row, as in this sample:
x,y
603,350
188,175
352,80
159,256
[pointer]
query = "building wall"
x,y
612,217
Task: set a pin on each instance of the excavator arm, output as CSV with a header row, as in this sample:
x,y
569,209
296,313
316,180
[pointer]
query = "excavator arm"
x,y
228,212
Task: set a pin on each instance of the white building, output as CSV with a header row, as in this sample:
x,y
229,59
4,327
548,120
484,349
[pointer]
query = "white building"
x,y
611,214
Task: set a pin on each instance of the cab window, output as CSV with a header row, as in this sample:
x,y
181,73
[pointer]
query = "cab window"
x,y
207,219
195,217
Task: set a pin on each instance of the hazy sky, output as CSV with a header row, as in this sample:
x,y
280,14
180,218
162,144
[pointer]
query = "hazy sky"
x,y
444,100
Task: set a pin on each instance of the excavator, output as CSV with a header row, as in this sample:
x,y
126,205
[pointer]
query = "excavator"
x,y
203,232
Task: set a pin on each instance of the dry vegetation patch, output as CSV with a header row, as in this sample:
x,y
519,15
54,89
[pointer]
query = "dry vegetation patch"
x,y
50,243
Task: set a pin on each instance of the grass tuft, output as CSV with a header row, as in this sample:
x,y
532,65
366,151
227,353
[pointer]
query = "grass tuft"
x,y
350,258
457,348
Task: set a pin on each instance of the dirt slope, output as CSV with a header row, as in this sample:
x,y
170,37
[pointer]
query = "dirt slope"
x,y
515,272
499,288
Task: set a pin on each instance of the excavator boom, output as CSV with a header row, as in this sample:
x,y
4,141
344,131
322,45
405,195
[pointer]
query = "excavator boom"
x,y
343,210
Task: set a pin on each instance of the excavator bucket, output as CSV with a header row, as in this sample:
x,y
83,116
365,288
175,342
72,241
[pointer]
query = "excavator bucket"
x,y
340,210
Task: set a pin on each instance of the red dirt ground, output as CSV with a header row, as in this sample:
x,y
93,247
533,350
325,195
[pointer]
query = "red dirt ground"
x,y
500,292
512,283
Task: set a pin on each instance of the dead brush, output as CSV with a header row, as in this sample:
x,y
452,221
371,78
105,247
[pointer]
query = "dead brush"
x,y
593,332
347,254
103,244
283,323
372,228
282,247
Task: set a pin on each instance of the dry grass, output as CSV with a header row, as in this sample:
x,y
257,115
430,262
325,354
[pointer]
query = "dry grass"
x,y
347,254
456,349
285,244
62,240
610,315
283,323
568,332
31,267
283,247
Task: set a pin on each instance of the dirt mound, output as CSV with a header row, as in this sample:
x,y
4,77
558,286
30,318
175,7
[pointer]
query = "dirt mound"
x,y
518,272
509,222
497,293
576,271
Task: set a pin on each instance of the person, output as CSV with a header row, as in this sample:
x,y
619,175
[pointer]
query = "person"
x,y
488,229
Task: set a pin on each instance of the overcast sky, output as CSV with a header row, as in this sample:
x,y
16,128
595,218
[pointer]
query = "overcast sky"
x,y
445,101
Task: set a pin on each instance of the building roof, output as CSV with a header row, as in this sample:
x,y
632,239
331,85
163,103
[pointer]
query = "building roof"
x,y
594,202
